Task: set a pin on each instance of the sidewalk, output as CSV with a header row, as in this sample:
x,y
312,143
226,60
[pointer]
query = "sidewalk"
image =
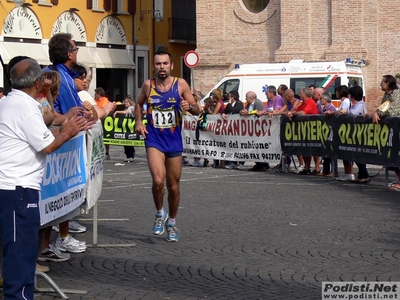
x,y
243,235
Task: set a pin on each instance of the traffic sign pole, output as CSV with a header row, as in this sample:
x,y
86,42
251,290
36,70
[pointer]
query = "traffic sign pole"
x,y
192,59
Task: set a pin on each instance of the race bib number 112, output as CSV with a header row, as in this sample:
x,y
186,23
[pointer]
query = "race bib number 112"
x,y
164,119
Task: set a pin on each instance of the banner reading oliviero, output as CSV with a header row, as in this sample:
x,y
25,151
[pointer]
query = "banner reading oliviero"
x,y
351,138
120,131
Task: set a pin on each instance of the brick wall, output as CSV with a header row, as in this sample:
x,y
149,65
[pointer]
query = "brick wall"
x,y
314,30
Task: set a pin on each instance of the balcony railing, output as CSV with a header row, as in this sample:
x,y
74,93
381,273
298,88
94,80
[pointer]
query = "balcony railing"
x,y
182,30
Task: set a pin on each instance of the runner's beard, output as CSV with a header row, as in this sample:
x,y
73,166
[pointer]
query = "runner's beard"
x,y
162,75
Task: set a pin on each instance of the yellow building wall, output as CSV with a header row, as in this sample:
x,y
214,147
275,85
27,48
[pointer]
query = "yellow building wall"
x,y
47,15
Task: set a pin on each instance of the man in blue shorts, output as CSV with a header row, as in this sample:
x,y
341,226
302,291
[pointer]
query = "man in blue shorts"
x,y
166,98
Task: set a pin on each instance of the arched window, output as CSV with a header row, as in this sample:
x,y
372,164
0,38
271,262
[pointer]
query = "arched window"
x,y
255,6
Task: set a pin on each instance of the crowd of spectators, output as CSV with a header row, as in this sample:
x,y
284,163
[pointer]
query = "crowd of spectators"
x,y
311,100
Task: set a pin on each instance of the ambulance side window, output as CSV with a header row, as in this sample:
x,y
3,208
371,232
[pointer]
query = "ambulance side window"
x,y
228,86
296,84
355,81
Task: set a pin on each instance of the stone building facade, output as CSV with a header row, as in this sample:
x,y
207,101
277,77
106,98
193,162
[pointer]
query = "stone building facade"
x,y
228,33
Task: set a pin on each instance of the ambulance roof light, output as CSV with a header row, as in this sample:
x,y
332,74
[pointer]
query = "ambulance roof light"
x,y
354,62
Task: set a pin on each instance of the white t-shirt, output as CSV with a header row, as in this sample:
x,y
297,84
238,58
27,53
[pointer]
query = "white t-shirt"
x,y
85,96
23,136
345,104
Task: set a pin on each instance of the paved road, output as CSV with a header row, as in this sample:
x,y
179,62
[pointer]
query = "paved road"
x,y
243,235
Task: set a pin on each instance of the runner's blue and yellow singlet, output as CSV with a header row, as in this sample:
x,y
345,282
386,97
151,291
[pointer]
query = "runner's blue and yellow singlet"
x,y
164,118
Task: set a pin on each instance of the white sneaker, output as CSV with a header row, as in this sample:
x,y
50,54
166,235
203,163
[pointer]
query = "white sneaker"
x,y
230,166
75,227
239,167
346,177
301,168
69,244
196,163
52,253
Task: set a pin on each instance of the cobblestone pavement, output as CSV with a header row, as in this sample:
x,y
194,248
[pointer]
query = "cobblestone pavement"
x,y
243,235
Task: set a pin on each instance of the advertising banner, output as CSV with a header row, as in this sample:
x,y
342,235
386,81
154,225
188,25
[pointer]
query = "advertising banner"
x,y
351,138
309,135
64,180
358,139
95,159
120,131
237,138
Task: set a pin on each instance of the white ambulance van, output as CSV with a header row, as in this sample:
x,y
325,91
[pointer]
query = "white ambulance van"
x,y
296,74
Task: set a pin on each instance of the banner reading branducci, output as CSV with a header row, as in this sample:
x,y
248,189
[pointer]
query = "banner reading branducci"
x,y
237,138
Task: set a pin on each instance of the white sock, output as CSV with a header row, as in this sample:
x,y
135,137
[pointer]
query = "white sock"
x,y
171,221
160,212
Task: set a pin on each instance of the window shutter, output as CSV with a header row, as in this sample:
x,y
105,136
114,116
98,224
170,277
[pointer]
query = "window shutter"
x,y
132,6
54,2
114,5
89,4
107,4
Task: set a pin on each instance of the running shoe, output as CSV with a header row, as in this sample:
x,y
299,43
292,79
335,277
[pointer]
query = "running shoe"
x,y
69,244
172,233
75,227
346,177
159,223
196,163
51,253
